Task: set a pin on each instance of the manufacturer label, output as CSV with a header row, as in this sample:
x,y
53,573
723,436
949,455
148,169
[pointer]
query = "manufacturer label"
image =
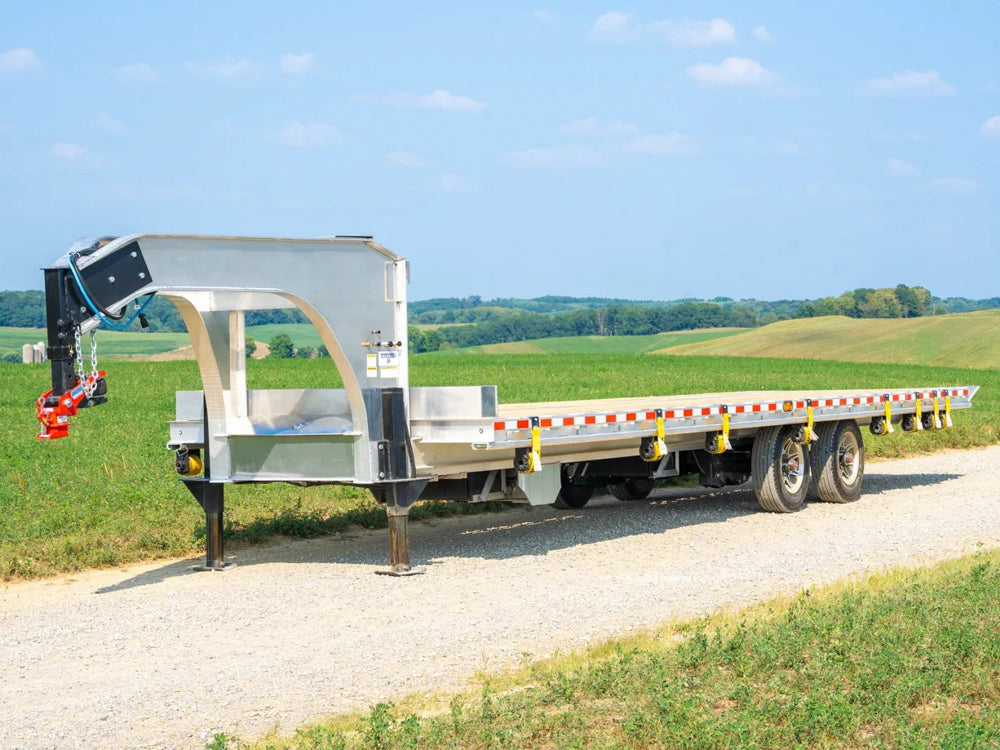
x,y
388,364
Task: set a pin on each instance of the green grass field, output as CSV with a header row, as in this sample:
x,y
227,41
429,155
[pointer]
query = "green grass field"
x,y
599,344
908,659
966,340
108,495
109,343
302,334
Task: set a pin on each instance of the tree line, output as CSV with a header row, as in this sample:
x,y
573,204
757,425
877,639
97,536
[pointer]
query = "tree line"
x,y
618,320
476,322
623,320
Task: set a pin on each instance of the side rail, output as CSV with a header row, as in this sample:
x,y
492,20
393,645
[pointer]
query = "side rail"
x,y
914,410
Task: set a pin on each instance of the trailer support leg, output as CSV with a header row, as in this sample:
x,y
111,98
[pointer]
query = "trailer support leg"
x,y
399,498
399,545
212,500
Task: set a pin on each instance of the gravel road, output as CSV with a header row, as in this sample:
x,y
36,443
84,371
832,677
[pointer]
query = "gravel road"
x,y
159,656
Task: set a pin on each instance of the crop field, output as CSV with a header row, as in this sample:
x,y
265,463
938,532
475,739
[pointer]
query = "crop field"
x,y
108,495
601,344
965,340
109,343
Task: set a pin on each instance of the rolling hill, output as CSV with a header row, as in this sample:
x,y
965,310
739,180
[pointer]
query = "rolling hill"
x,y
962,340
957,340
599,344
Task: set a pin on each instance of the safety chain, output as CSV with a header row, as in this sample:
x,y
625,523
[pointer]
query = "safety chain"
x,y
93,353
78,355
91,384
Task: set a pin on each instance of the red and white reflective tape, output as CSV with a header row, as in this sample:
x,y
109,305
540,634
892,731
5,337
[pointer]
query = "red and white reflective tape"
x,y
649,415
616,418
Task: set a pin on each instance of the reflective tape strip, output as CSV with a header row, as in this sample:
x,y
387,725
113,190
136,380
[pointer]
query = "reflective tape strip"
x,y
708,411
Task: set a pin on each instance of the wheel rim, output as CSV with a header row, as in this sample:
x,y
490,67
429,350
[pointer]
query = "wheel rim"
x,y
793,465
849,458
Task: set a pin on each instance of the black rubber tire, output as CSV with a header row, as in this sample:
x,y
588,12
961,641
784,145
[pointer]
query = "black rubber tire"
x,y
828,468
774,493
573,496
631,489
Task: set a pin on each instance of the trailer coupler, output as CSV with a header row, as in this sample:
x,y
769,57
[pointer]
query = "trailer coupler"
x,y
54,412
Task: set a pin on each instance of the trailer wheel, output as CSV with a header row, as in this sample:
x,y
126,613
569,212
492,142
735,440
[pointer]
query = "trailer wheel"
x,y
837,462
631,489
573,496
780,470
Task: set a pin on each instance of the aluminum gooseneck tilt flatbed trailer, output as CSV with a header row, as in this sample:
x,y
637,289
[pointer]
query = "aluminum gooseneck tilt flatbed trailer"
x,y
410,443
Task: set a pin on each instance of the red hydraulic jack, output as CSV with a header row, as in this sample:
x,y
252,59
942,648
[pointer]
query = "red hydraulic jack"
x,y
54,413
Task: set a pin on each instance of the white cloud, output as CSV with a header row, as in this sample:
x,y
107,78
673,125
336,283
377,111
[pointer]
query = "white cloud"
x,y
542,15
307,135
298,64
668,144
733,71
64,150
555,156
695,33
438,99
907,85
406,159
961,185
139,72
991,128
109,124
20,60
761,34
616,27
227,68
902,168
593,126
451,182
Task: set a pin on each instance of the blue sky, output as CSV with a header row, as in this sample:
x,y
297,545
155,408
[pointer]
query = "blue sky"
x,y
768,149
